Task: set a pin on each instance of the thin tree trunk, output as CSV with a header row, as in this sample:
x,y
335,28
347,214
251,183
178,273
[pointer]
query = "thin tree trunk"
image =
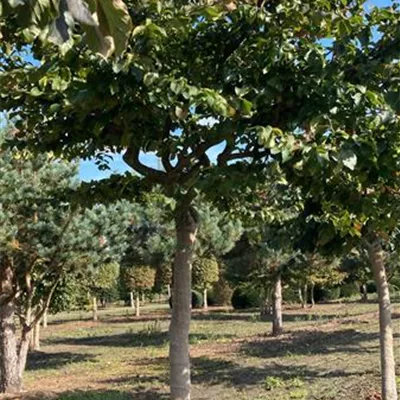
x,y
143,298
94,301
186,229
35,338
277,307
305,296
389,391
205,304
312,295
44,320
23,351
364,292
169,291
131,300
137,305
9,378
301,298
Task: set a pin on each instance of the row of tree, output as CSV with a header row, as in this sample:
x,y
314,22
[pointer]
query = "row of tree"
x,y
220,92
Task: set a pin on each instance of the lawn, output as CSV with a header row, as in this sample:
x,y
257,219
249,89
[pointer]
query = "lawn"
x,y
330,352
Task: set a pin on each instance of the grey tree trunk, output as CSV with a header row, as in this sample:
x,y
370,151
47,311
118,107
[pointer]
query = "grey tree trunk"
x,y
312,295
9,378
137,305
364,292
94,301
205,304
305,296
143,298
301,298
132,300
389,390
35,338
186,230
277,307
169,290
23,351
44,320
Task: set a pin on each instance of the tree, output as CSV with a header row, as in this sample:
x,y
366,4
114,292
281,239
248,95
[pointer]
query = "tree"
x,y
262,73
101,279
42,238
138,279
205,273
107,25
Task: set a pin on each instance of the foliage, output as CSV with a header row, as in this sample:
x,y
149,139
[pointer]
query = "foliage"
x,y
139,278
245,296
221,293
197,299
205,272
349,290
106,24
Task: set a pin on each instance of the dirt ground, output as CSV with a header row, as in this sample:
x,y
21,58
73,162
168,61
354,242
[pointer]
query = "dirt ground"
x,y
330,352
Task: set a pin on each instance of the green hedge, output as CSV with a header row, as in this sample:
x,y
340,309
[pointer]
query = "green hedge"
x,y
349,290
245,297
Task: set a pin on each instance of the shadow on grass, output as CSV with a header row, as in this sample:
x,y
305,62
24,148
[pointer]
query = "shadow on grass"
x,y
134,339
39,360
309,342
99,395
210,372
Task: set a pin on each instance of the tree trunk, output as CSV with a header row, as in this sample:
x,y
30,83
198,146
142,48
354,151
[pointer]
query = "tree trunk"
x,y
44,320
143,298
169,291
35,338
94,301
312,295
389,391
305,296
301,298
205,305
364,292
9,378
131,300
277,307
186,229
23,351
137,305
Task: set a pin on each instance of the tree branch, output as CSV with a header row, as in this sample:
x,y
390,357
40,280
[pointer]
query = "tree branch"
x,y
131,157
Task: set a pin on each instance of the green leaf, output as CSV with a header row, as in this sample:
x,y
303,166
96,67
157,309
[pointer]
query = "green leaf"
x,y
36,92
349,159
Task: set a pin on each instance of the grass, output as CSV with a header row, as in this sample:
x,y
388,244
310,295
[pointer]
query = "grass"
x,y
330,352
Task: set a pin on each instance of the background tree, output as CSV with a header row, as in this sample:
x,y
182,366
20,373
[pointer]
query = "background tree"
x,y
205,273
102,279
139,279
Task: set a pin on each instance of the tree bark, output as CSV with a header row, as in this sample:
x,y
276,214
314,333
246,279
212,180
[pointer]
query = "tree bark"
x,y
169,290
312,295
143,298
277,307
44,320
131,300
94,301
301,298
9,378
35,338
23,351
137,305
305,296
364,292
205,304
389,390
186,230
